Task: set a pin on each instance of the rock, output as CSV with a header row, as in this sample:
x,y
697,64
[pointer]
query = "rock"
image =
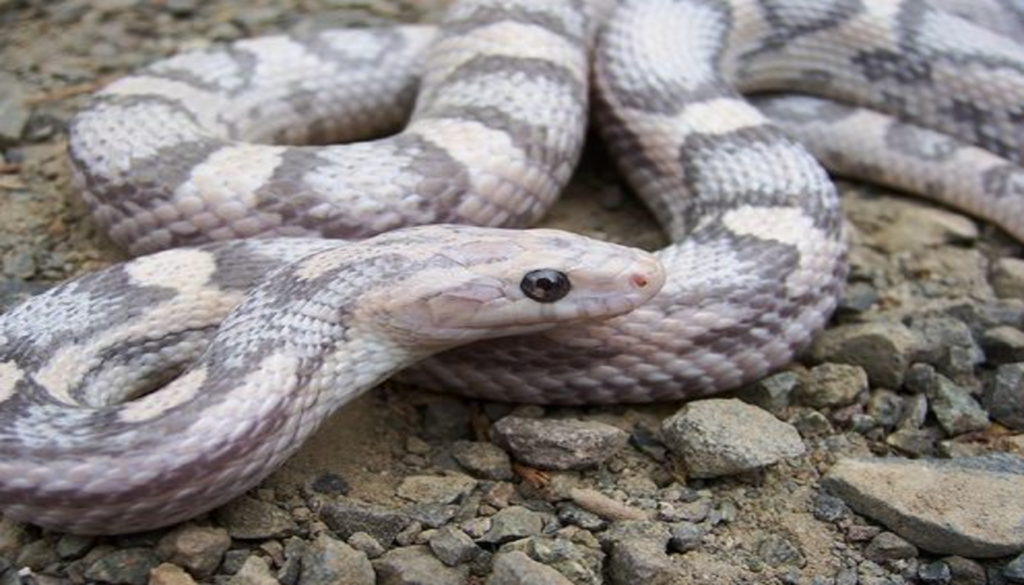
x,y
129,566
254,571
969,506
37,555
331,484
887,546
557,443
775,551
429,489
726,436
346,517
829,508
168,574
516,568
915,442
453,546
965,571
367,544
1003,345
249,518
13,536
73,546
327,560
1008,278
513,523
811,423
936,573
634,562
582,564
956,410
14,111
831,385
415,565
432,515
775,392
1004,396
686,536
572,514
884,349
885,408
197,549
858,298
914,227
1014,570
484,460
948,345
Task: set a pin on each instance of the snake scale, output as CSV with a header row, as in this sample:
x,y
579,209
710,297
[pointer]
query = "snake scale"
x,y
216,145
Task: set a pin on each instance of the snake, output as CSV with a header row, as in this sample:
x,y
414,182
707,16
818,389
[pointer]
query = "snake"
x,y
277,276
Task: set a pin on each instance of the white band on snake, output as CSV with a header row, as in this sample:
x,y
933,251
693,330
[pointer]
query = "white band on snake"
x,y
210,146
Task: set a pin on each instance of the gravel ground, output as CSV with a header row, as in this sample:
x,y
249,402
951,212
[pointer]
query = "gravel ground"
x,y
892,454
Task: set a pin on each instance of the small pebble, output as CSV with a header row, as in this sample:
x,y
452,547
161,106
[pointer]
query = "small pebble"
x,y
513,523
1008,278
416,565
831,385
197,549
446,489
557,443
453,546
883,349
168,574
1004,396
249,518
366,544
483,460
887,546
254,571
129,566
1013,572
516,568
327,561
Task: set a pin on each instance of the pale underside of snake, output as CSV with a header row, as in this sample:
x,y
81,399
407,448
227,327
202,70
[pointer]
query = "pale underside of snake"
x,y
169,157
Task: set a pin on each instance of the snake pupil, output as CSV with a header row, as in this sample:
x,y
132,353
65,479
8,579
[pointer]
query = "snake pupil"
x,y
545,285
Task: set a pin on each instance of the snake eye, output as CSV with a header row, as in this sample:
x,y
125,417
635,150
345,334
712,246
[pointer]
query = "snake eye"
x,y
545,285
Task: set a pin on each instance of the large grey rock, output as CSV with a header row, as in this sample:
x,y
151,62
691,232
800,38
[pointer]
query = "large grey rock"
x,y
1008,278
431,489
516,568
415,565
726,436
453,546
346,517
969,507
129,566
249,518
254,571
198,549
513,523
884,349
327,561
834,385
557,443
1004,396
484,460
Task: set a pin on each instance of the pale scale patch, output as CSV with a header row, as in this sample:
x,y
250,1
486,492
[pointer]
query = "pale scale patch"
x,y
475,146
573,19
281,61
216,68
674,57
320,264
183,269
204,105
227,181
174,394
10,375
793,227
356,44
719,116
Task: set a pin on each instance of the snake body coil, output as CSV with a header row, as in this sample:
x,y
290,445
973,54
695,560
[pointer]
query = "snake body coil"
x,y
169,157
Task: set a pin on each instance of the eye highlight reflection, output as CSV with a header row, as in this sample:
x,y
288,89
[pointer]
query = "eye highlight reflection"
x,y
545,285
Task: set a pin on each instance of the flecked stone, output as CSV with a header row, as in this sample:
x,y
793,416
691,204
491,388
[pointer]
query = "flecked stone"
x,y
484,460
129,566
833,385
198,549
1004,396
774,392
429,489
557,443
415,565
936,573
73,546
346,517
829,508
858,298
249,518
254,571
13,536
1013,572
965,571
811,423
581,563
686,536
516,568
571,514
168,574
947,344
36,555
453,546
331,484
632,562
915,442
512,523
366,544
956,410
327,560
1008,278
776,550
432,515
969,506
887,546
884,349
14,112
1003,345
885,408
726,436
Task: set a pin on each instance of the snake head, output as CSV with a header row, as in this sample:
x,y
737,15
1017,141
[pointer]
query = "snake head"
x,y
477,283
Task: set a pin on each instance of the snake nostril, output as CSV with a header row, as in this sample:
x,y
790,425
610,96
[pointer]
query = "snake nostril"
x,y
640,281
